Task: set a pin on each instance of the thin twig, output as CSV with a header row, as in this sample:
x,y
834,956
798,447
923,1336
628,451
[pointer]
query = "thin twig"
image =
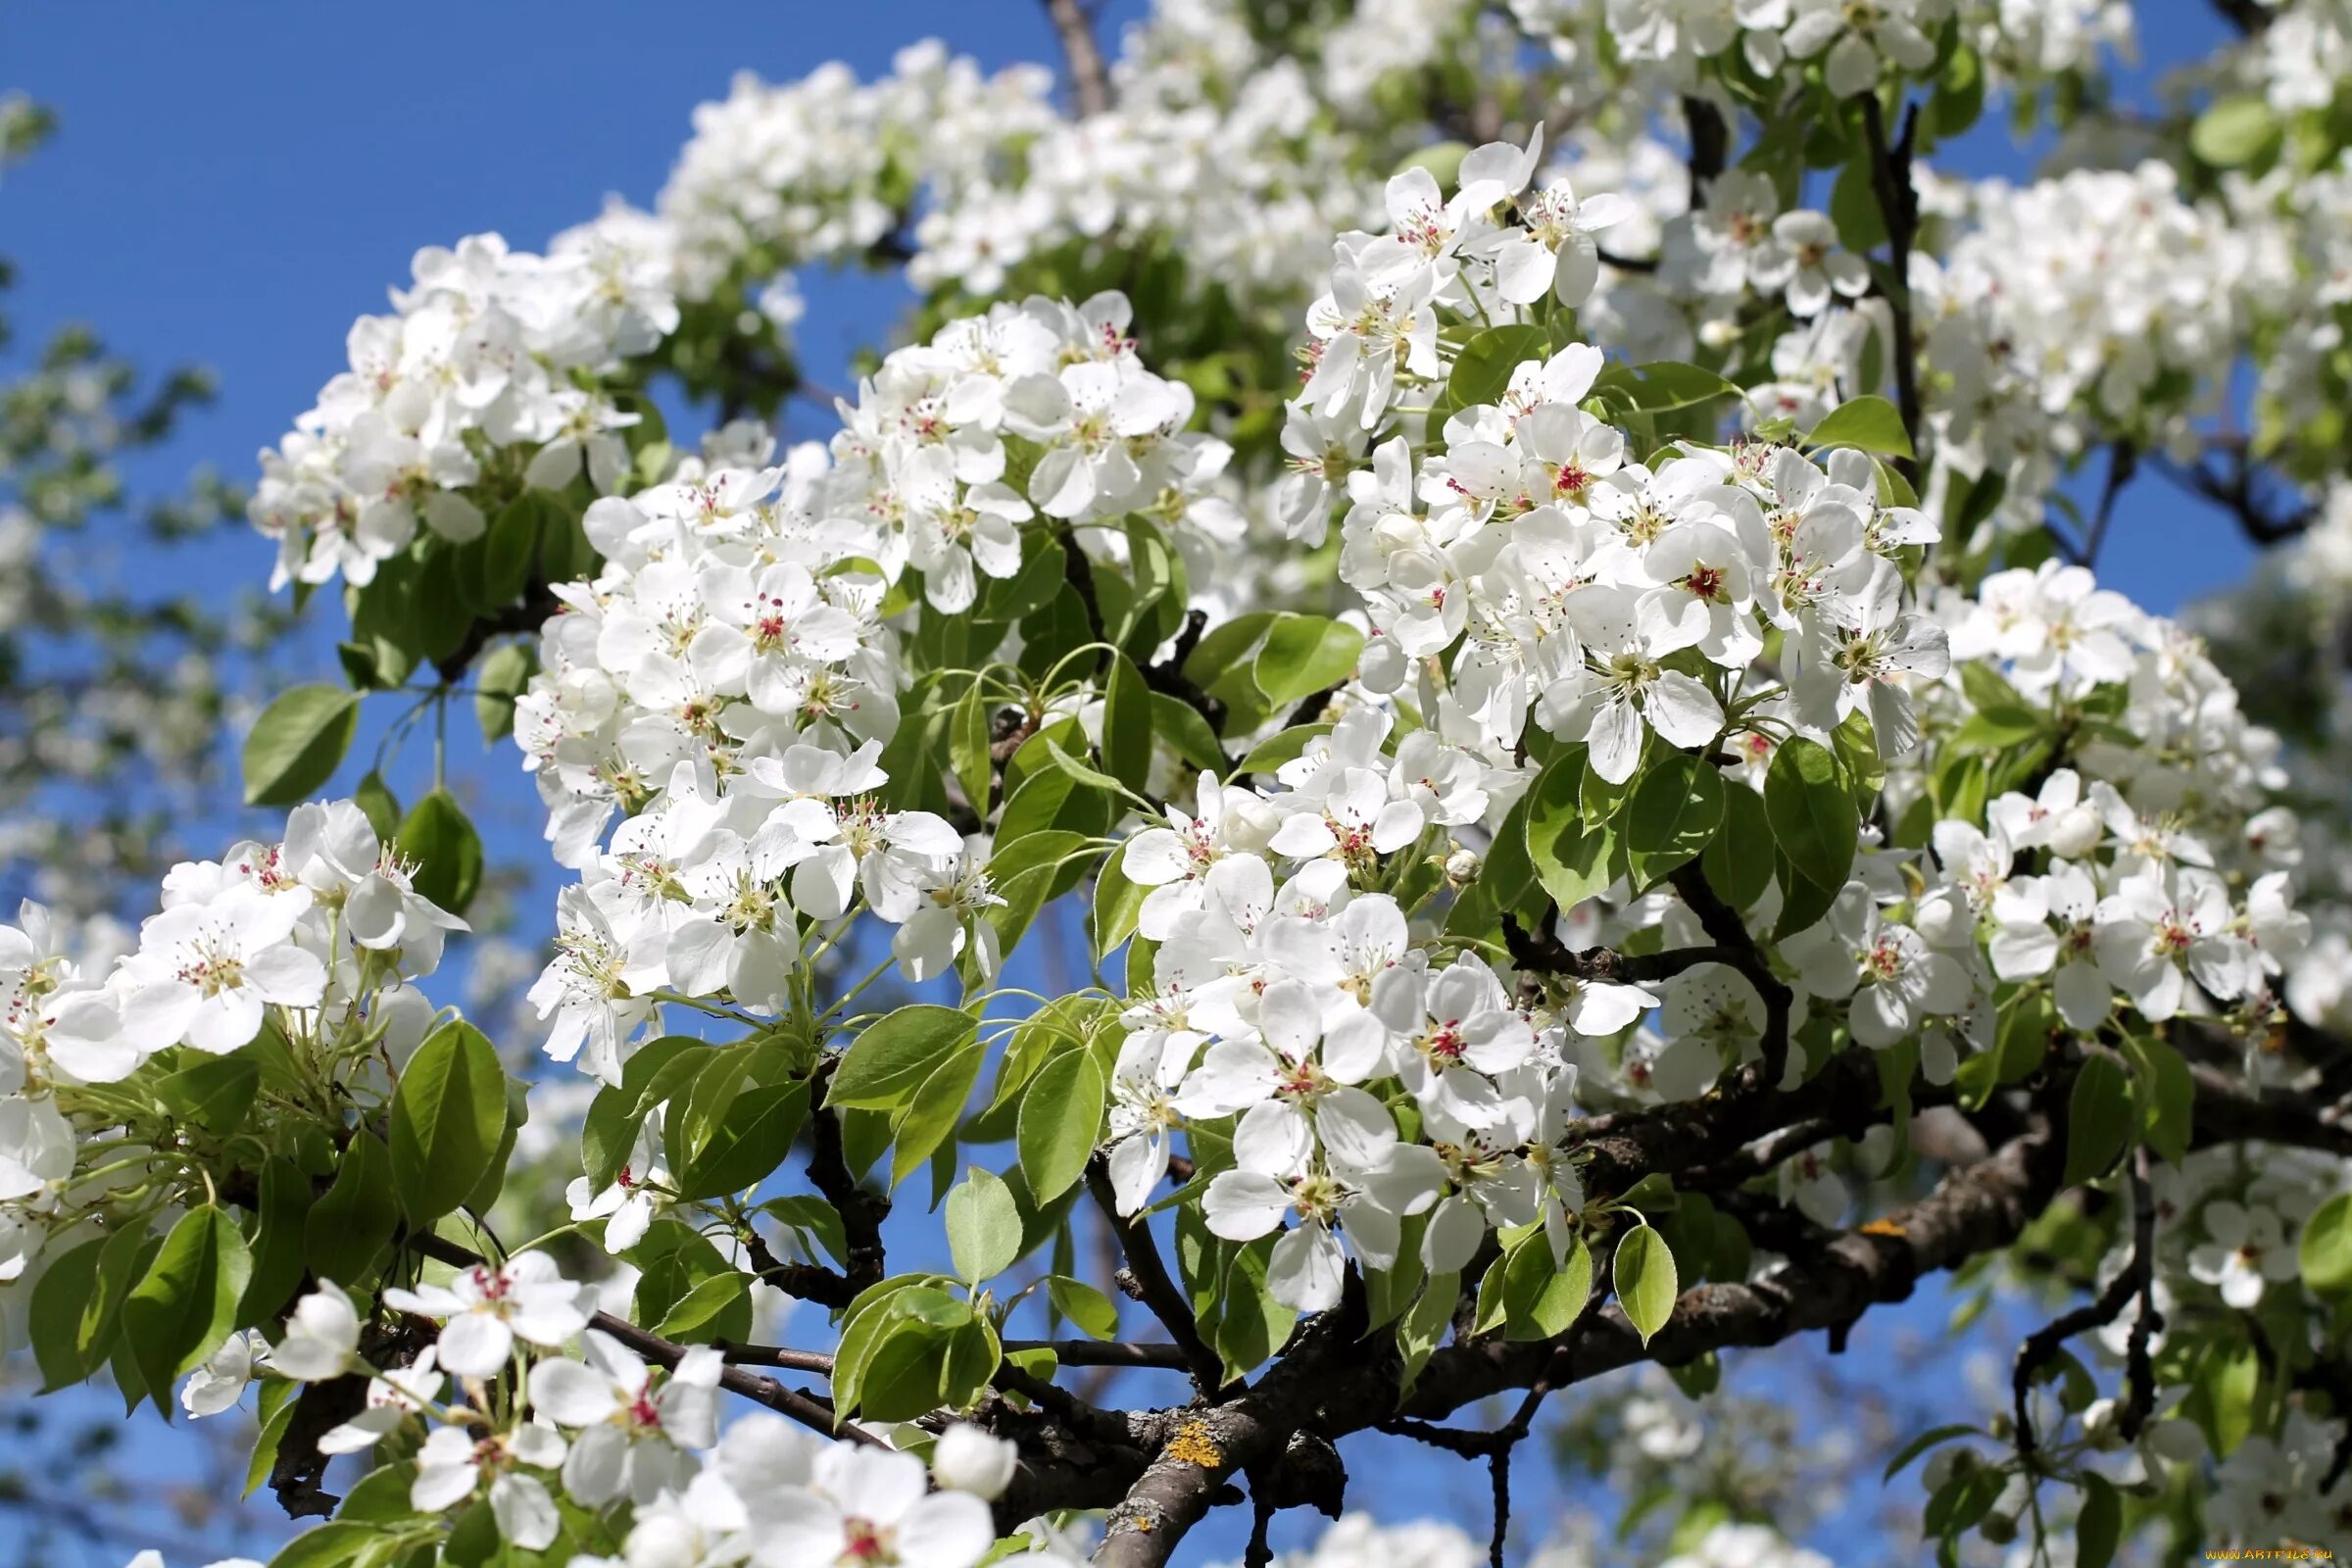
x,y
1153,1285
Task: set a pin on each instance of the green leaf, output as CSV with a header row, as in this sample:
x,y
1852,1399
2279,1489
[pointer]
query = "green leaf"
x,y
447,1115
1078,771
983,1225
1044,570
284,1206
511,546
1643,1274
2169,1093
376,803
932,1113
266,1445
1187,734
352,1222
446,851
214,1092
2225,1390
1662,386
1739,859
2234,130
968,748
719,1307
2098,1117
1854,209
58,1299
1127,723
1932,1438
1304,654
1674,812
334,1545
1060,1115
1118,904
297,744
1540,1298
1813,818
1482,371
1093,1313
2099,1526
502,676
1421,1330
1251,1324
2325,1252
184,1308
885,1065
1276,750
748,1142
1572,862
1867,423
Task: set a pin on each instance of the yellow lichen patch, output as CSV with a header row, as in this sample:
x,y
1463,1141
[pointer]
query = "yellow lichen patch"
x,y
1193,1445
1883,1227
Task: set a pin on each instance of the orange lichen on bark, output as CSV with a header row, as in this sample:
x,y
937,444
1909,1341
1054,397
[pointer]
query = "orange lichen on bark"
x,y
1193,1445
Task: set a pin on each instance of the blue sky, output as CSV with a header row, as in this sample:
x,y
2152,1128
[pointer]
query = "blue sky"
x,y
233,183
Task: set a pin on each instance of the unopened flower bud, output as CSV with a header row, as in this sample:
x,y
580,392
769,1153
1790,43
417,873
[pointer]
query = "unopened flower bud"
x,y
967,1460
1461,867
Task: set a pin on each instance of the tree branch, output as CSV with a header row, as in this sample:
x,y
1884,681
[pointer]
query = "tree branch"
x,y
1899,206
2237,488
1151,1283
1090,78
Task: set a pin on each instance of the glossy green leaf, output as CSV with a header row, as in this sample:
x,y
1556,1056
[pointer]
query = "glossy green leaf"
x,y
297,744
2098,1117
2325,1250
1088,1310
2234,130
1738,862
984,1226
1306,654
1644,1276
1675,810
1482,371
1060,1115
932,1116
438,836
1543,1298
1571,861
889,1061
447,1116
184,1308
1127,723
1867,423
1813,818
351,1223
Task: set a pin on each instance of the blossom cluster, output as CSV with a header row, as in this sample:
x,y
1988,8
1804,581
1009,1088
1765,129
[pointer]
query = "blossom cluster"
x,y
609,1431
729,677
317,936
485,379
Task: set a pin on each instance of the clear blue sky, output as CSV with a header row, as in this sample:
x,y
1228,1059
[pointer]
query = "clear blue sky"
x,y
233,183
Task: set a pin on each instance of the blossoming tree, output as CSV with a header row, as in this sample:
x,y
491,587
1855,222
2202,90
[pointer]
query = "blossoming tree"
x,y
1518,578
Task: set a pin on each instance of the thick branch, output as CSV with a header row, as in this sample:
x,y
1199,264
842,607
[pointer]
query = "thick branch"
x,y
1973,1210
861,1213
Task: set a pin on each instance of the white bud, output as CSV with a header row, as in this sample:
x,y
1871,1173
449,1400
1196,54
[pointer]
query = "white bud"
x,y
967,1460
1461,867
1382,667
